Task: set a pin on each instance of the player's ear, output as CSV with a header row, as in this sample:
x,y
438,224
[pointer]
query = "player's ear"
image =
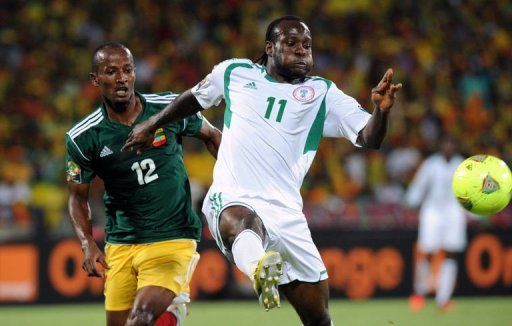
x,y
269,48
94,79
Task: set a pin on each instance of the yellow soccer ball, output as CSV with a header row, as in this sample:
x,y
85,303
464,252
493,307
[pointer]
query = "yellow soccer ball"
x,y
482,184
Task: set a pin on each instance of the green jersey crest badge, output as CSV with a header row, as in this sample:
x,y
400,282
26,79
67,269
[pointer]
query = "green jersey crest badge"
x,y
73,172
159,138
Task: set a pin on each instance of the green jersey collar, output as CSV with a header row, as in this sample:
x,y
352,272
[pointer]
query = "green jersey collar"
x,y
139,118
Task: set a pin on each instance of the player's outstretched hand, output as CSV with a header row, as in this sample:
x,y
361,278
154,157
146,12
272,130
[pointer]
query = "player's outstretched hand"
x,y
140,137
92,257
383,96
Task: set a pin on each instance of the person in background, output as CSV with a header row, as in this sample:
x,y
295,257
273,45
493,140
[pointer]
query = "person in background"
x,y
442,224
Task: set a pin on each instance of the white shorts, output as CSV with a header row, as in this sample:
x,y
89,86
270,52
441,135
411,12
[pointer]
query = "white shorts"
x,y
287,232
441,230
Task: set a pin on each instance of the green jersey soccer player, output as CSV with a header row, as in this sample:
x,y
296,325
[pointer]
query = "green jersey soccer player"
x,y
151,228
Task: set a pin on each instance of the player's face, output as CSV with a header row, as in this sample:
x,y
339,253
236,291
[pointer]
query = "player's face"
x,y
115,76
292,51
448,147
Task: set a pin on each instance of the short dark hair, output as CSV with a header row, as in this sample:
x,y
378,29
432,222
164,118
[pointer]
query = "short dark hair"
x,y
99,49
271,35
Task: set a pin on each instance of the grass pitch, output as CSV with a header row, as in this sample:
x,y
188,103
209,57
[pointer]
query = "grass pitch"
x,y
467,311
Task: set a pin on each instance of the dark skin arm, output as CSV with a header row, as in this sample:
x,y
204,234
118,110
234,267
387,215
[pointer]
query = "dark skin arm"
x,y
372,135
142,134
78,206
383,98
211,137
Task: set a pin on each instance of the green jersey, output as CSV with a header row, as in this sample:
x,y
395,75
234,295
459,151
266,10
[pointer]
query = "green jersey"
x,y
147,196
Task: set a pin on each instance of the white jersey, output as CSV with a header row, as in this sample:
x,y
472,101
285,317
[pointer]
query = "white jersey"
x,y
272,130
442,223
432,185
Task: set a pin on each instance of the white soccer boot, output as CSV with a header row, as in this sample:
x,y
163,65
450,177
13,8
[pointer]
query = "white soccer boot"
x,y
266,279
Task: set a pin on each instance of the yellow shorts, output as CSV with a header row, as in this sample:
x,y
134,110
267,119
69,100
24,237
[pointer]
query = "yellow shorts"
x,y
168,264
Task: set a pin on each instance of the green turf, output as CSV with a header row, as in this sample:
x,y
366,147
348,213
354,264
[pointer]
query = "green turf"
x,y
474,311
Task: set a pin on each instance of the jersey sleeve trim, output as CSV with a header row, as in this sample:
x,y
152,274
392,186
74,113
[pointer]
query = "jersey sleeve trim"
x,y
359,127
227,80
191,125
90,121
78,148
160,99
199,125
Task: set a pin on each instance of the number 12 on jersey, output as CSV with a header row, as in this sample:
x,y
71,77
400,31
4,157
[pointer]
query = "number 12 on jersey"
x,y
146,164
270,106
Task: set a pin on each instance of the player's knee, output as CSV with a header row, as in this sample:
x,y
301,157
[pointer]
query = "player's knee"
x,y
323,319
232,223
228,232
140,316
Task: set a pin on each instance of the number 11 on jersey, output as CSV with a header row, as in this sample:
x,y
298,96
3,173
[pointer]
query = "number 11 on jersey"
x,y
270,106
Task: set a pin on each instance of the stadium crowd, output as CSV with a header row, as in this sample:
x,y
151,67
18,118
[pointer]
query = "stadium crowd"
x,y
453,57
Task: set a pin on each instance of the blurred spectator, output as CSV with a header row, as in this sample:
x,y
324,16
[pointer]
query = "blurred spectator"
x,y
14,189
14,198
453,57
402,162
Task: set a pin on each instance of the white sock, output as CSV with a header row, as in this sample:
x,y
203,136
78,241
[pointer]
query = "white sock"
x,y
446,284
421,277
247,251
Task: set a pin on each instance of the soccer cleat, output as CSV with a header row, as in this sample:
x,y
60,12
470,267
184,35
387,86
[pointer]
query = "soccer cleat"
x,y
266,279
416,302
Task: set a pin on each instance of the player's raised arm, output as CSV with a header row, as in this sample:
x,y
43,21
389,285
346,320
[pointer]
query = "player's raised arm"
x,y
80,213
383,98
143,133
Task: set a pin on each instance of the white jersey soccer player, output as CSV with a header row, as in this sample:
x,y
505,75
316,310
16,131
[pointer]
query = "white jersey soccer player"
x,y
271,133
275,116
442,223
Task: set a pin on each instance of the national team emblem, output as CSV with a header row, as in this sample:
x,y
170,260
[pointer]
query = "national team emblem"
x,y
304,93
160,138
73,172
